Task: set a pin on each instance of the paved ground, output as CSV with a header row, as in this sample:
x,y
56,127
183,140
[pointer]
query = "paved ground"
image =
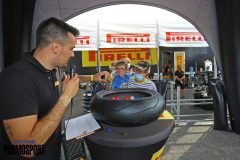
x,y
193,141
198,142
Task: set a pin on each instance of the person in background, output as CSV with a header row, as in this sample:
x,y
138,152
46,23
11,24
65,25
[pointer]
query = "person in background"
x,y
112,68
179,79
166,69
121,74
140,78
31,105
129,67
167,73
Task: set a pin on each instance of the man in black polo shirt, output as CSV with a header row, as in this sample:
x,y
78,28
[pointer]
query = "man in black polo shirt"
x,y
31,107
179,79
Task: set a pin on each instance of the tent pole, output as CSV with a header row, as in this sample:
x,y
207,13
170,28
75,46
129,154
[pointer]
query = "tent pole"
x,y
158,50
98,49
158,66
215,68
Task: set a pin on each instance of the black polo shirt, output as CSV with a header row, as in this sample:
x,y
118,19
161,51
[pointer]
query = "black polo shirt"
x,y
27,88
179,73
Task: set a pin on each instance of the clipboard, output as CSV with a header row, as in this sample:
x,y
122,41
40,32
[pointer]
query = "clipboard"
x,y
81,126
87,134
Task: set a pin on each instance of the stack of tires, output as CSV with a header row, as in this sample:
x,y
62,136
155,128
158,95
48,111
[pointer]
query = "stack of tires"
x,y
87,96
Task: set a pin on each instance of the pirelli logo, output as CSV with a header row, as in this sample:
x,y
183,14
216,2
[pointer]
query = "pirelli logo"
x,y
83,40
184,37
128,38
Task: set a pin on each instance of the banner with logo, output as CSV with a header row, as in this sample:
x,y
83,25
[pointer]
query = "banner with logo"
x,y
128,33
84,43
180,35
179,59
89,58
136,33
87,40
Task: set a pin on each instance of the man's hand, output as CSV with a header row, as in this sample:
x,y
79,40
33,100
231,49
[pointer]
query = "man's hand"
x,y
70,86
98,77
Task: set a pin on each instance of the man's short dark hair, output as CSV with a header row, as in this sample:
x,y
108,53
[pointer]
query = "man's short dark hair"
x,y
53,29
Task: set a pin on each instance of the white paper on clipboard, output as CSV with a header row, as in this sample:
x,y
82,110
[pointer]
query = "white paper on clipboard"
x,y
81,126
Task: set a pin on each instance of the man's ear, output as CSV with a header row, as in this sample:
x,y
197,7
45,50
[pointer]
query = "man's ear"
x,y
55,47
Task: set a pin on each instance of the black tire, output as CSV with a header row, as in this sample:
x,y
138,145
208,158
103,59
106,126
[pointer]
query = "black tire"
x,y
127,112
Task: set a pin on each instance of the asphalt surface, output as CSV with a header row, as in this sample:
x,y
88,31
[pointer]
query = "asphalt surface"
x,y
202,142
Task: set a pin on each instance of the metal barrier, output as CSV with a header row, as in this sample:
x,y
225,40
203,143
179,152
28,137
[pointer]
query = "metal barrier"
x,y
177,103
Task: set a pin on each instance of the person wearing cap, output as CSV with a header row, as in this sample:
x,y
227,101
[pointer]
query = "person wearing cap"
x,y
140,78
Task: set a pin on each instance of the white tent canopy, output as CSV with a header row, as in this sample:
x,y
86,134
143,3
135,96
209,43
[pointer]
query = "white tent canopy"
x,y
134,26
